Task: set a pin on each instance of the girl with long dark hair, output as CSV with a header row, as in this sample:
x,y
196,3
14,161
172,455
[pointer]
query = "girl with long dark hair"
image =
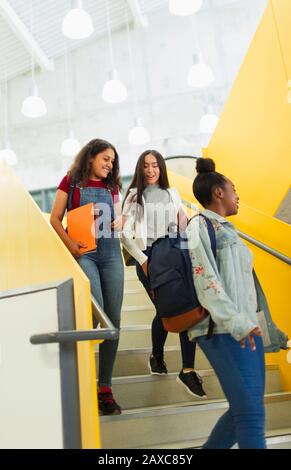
x,y
152,210
94,177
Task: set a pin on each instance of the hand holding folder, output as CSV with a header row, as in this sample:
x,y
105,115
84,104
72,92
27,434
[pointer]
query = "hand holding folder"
x,y
81,227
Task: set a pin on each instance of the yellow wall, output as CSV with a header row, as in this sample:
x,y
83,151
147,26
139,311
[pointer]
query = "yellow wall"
x,y
32,253
252,142
252,146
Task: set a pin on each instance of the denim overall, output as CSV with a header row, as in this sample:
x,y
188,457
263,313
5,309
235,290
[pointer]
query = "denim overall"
x,y
105,270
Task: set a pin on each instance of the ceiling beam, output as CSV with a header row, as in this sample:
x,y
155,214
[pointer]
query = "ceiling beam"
x,y
22,33
140,20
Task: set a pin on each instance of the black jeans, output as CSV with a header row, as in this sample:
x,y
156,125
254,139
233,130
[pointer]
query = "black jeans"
x,y
159,335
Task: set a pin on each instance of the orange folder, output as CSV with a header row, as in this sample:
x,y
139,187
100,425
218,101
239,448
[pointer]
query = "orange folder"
x,y
81,226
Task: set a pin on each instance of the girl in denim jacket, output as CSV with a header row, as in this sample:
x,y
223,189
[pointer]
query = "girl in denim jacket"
x,y
225,287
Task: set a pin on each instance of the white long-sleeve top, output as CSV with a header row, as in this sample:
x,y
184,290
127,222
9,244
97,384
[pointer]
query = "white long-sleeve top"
x,y
135,232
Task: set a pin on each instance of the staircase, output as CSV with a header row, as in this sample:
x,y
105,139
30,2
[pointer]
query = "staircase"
x,y
158,412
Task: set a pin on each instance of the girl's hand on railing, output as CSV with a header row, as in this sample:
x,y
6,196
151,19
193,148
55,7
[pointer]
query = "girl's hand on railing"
x,y
250,337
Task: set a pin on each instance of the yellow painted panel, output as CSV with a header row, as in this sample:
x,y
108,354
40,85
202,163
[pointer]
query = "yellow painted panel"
x,y
252,142
32,253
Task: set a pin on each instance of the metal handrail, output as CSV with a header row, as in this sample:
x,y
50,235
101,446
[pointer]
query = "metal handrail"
x,y
265,248
106,332
257,243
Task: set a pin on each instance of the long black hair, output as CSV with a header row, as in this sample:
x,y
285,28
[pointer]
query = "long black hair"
x,y
138,180
81,167
206,180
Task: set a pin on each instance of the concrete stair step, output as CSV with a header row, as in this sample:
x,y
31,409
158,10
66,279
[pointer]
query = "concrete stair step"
x,y
157,426
130,274
276,439
139,336
136,297
143,391
132,284
135,361
141,315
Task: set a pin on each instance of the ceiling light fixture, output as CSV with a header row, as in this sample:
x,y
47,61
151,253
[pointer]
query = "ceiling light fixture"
x,y
77,23
138,135
200,75
209,121
7,154
70,146
184,7
114,90
33,106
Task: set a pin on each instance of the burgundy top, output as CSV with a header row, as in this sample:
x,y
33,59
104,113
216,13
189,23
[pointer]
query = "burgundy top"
x,y
65,186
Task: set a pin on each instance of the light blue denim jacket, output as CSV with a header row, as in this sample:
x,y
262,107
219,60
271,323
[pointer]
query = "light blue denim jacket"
x,y
225,286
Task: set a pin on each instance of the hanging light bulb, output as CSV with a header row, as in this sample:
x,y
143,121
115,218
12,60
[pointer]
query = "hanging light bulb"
x,y
114,91
34,106
77,23
289,91
138,135
70,146
8,155
200,75
184,7
208,122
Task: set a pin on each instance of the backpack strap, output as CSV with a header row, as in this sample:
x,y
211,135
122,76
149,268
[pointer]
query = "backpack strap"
x,y
211,233
73,184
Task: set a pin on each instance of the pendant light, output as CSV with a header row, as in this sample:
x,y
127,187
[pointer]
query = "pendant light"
x,y
77,23
200,75
114,90
209,121
138,134
7,154
184,7
33,106
70,146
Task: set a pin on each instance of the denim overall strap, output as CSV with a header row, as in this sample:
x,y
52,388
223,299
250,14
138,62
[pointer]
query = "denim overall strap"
x,y
103,198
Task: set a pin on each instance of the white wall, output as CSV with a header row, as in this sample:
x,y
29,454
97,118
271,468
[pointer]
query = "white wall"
x,y
169,107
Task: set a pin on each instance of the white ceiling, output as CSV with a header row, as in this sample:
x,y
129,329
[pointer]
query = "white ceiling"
x,y
15,54
46,31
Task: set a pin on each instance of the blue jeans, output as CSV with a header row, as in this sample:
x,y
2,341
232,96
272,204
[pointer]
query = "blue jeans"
x,y
241,373
105,270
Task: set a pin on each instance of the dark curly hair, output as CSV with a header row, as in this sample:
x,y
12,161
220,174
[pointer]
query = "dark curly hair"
x,y
80,169
206,180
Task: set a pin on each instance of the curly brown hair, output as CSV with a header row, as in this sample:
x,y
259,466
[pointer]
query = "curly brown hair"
x,y
81,167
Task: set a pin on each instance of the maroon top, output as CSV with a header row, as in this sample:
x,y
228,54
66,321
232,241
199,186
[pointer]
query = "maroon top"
x,y
65,186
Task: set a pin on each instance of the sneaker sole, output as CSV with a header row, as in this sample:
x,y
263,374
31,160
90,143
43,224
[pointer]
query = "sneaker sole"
x,y
155,373
115,413
179,381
